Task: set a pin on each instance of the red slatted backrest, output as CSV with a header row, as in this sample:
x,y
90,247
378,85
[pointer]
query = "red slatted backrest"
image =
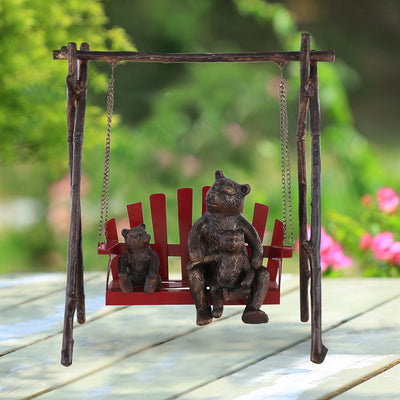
x,y
260,217
111,232
185,217
159,219
185,220
135,214
276,240
204,191
277,234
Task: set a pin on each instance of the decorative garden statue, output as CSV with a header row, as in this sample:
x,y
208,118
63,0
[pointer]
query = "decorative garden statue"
x,y
219,259
138,266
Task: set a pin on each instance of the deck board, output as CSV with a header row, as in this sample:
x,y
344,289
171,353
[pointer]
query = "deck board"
x,y
41,316
357,349
18,289
384,386
126,352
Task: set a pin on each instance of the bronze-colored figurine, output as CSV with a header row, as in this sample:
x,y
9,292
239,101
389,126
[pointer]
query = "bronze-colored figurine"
x,y
218,257
138,266
234,275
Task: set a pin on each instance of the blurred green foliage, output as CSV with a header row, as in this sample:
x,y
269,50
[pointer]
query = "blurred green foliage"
x,y
174,125
30,81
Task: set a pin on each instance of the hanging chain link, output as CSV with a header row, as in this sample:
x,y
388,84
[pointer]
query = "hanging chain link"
x,y
287,206
105,190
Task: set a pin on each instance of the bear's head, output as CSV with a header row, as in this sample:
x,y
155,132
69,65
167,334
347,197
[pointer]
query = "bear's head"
x,y
136,238
225,196
232,241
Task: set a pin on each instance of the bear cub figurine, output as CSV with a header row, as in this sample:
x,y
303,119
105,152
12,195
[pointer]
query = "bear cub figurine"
x,y
234,275
219,259
138,266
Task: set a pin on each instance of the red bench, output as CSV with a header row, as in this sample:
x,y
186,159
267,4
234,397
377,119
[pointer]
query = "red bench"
x,y
177,291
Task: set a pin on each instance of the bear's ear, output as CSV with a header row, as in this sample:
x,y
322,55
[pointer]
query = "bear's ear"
x,y
219,174
143,226
124,232
245,189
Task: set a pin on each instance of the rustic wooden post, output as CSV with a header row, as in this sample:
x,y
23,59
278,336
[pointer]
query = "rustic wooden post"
x,y
71,101
313,246
76,107
302,174
80,290
309,250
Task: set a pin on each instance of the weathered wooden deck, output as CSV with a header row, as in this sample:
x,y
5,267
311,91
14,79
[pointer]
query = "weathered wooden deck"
x,y
157,352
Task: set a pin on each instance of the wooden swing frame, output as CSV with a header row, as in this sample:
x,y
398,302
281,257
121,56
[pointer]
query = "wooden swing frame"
x,y
309,249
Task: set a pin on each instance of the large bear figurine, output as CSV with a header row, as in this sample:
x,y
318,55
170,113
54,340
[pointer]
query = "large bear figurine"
x,y
138,266
218,257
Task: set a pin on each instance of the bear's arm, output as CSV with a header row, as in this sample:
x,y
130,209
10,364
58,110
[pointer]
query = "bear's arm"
x,y
196,255
253,240
123,264
154,261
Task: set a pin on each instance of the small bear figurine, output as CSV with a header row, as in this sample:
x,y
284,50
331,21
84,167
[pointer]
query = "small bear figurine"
x,y
138,266
234,275
219,263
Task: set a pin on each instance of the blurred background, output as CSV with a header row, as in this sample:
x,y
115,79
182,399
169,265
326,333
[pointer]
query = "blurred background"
x,y
174,125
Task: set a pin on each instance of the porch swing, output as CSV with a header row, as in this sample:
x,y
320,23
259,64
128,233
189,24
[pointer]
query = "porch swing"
x,y
177,291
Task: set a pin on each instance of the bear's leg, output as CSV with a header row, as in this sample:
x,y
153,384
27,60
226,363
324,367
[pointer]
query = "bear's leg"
x,y
125,280
248,278
198,287
252,313
217,300
152,283
125,283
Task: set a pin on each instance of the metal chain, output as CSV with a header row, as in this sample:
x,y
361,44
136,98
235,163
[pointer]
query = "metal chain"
x,y
287,206
105,190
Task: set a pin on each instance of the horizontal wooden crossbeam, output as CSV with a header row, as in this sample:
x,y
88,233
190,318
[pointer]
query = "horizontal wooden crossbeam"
x,y
114,57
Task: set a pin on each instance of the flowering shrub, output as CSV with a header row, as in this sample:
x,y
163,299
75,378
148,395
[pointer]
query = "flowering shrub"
x,y
374,234
332,256
378,239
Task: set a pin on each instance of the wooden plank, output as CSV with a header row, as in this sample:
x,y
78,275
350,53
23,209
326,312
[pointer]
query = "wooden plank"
x,y
204,191
260,216
383,386
358,349
159,219
40,318
135,214
147,359
185,220
36,367
17,289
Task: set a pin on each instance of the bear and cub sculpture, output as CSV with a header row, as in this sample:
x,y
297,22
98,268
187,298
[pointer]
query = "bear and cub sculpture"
x,y
219,259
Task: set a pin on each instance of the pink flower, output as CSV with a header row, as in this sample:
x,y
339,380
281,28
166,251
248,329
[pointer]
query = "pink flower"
x,y
394,256
333,256
332,253
326,241
365,241
366,200
381,244
388,200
